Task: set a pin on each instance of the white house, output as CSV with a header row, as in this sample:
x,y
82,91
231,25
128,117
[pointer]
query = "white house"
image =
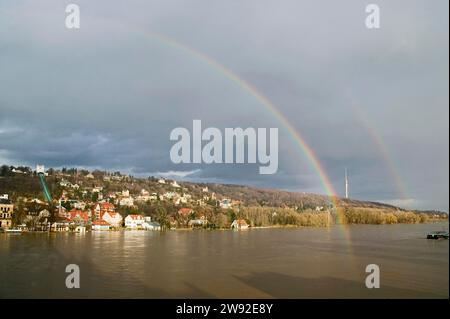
x,y
40,169
201,222
114,219
100,225
126,201
239,224
225,203
149,225
170,195
65,183
97,189
79,205
134,221
175,184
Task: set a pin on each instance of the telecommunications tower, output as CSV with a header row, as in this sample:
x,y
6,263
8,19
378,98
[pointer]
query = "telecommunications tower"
x,y
346,184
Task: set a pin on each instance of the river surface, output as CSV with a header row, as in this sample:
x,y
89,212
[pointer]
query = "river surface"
x,y
257,263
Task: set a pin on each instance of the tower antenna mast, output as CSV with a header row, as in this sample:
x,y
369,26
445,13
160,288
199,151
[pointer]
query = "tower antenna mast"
x,y
346,184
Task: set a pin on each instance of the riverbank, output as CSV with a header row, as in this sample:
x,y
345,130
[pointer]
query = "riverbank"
x,y
304,262
188,229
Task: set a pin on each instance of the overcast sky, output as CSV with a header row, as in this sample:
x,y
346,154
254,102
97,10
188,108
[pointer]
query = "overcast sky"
x,y
108,94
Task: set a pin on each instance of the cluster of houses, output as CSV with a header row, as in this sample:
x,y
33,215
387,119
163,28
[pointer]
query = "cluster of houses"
x,y
103,216
86,204
124,198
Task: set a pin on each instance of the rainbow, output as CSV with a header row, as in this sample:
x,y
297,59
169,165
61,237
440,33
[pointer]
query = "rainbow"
x,y
295,136
379,143
246,86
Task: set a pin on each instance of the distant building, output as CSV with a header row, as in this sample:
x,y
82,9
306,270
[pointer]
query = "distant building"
x,y
100,225
151,225
97,189
126,201
61,226
102,208
114,219
6,211
134,221
185,212
196,223
225,203
40,169
239,224
175,184
78,216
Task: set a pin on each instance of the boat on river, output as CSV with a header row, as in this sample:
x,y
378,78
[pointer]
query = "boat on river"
x,y
438,235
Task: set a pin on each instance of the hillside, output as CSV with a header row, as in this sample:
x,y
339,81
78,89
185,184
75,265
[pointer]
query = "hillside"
x,y
259,206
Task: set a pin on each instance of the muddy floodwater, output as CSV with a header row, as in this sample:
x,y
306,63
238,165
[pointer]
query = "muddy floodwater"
x,y
257,263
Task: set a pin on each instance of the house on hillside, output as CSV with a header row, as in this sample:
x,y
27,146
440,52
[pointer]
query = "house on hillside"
x,y
151,226
78,216
198,223
100,225
126,201
225,203
62,225
6,211
239,224
102,208
185,212
175,184
114,219
134,221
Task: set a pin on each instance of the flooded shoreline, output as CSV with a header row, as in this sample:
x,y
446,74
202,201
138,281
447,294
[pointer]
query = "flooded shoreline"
x,y
300,262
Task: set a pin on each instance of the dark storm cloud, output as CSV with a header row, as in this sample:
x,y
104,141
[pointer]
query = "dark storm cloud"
x,y
108,95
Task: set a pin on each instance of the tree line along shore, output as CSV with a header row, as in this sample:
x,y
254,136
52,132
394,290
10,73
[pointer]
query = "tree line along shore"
x,y
175,204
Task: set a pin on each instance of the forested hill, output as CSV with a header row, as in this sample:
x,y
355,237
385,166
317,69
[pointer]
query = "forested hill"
x,y
26,184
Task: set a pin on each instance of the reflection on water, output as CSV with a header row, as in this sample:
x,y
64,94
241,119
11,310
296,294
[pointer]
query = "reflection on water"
x,y
258,263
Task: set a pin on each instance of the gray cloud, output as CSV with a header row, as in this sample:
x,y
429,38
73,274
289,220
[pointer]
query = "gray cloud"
x,y
108,95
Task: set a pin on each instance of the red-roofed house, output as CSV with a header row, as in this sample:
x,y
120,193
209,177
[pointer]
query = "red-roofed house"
x,y
78,216
185,212
115,219
100,225
134,221
101,208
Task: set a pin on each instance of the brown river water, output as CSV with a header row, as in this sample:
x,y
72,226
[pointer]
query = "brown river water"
x,y
257,263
